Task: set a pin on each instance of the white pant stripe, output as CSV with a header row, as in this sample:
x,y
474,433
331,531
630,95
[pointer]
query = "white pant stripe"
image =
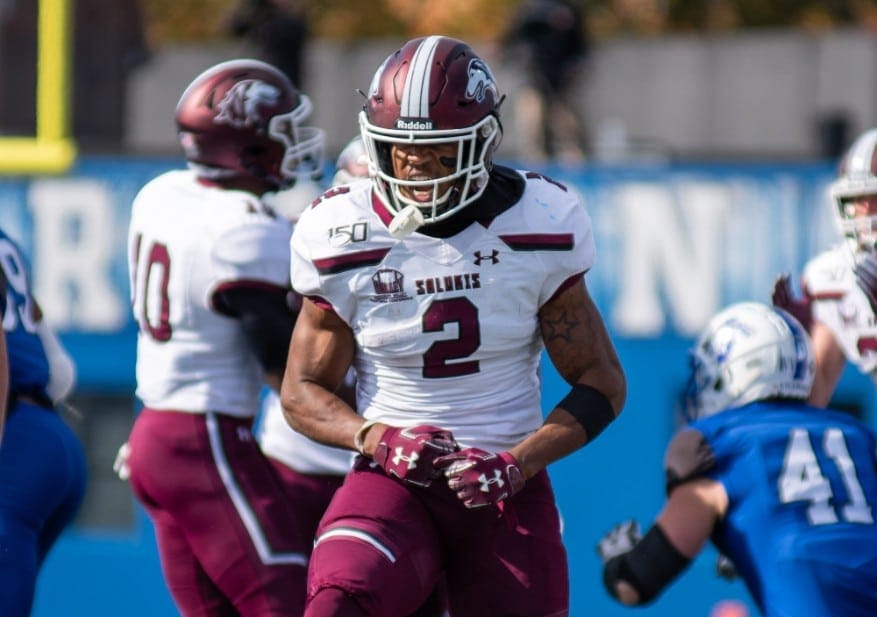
x,y
341,532
248,517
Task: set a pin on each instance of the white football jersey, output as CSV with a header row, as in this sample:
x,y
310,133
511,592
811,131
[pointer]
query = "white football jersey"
x,y
275,436
840,304
293,449
291,202
185,242
446,329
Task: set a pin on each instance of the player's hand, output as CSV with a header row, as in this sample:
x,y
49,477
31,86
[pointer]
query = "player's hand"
x,y
620,540
120,465
481,478
784,298
725,568
409,453
866,278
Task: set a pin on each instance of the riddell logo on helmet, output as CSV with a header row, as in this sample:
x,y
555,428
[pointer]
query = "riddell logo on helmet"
x,y
414,125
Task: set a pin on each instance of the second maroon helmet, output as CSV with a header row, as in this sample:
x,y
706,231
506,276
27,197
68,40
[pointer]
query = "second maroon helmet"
x,y
243,118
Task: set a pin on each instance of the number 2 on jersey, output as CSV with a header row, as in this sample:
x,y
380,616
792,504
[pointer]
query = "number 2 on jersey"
x,y
802,479
435,360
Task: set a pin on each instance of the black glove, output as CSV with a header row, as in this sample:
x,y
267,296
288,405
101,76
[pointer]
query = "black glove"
x,y
866,278
784,298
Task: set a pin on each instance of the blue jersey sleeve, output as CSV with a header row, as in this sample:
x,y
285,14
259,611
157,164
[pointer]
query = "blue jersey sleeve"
x,y
28,363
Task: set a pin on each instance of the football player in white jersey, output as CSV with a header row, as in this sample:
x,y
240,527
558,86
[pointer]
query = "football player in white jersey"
x,y
352,163
304,460
441,281
839,304
209,276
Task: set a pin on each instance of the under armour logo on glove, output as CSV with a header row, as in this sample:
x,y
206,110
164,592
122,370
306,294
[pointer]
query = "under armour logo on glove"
x,y
620,540
784,298
410,460
409,453
496,479
866,278
481,478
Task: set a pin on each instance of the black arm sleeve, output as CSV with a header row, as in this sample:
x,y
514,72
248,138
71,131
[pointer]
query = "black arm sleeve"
x,y
649,567
266,318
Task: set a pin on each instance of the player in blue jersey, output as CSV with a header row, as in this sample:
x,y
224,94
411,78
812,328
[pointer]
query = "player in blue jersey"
x,y
786,490
42,464
4,358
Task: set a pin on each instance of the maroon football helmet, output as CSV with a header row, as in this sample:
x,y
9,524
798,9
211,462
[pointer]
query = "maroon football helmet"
x,y
241,120
434,90
857,178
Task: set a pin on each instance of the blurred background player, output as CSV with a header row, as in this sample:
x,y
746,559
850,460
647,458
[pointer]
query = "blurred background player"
x,y
209,272
443,308
4,359
352,163
311,472
42,464
783,489
839,303
547,41
277,30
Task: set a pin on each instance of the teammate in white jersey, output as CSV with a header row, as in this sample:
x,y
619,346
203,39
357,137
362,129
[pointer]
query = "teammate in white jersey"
x,y
209,275
441,281
322,464
839,305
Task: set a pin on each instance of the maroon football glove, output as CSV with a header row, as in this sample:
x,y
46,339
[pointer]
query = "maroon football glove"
x,y
409,453
784,298
866,278
481,478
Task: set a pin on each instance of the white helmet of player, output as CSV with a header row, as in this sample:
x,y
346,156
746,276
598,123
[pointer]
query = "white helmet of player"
x,y
857,178
748,352
352,163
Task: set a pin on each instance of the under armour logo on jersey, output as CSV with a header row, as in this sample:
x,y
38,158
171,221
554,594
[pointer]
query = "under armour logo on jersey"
x,y
401,458
240,105
244,434
493,257
485,482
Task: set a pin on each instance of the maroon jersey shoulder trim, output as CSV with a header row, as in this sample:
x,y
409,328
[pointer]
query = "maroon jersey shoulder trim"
x,y
539,242
350,261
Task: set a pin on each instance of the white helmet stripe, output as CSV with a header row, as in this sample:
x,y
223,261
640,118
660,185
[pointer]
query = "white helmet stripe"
x,y
860,159
415,96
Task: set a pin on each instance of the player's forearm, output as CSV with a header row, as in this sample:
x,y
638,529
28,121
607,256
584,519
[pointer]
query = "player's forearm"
x,y
577,420
317,413
559,436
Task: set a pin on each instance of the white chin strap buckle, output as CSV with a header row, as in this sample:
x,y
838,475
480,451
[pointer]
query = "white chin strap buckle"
x,y
406,222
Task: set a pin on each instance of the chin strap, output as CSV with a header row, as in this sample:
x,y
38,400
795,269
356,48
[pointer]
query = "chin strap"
x,y
406,222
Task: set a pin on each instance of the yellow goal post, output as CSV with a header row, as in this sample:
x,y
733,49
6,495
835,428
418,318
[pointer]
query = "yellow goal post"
x,y
51,149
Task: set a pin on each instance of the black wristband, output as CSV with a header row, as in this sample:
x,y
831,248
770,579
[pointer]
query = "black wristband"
x,y
590,408
648,567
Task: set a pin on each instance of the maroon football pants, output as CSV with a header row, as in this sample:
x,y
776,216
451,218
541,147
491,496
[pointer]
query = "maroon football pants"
x,y
385,544
229,535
